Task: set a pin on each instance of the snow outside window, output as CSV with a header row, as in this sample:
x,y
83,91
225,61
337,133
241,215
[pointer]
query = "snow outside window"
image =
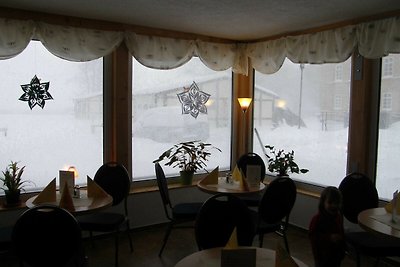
x,y
158,122
301,115
67,131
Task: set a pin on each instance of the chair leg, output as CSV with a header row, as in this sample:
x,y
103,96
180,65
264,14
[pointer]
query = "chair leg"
x,y
129,235
286,242
116,247
165,238
261,239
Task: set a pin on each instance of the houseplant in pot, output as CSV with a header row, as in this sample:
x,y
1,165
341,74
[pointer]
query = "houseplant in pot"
x,y
281,162
189,157
12,183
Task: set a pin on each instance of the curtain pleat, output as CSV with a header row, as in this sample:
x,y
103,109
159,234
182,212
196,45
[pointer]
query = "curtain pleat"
x,y
373,39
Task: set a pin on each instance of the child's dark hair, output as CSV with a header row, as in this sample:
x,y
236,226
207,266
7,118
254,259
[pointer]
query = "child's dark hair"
x,y
333,194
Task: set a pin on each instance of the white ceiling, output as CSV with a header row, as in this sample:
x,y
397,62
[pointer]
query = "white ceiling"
x,y
230,19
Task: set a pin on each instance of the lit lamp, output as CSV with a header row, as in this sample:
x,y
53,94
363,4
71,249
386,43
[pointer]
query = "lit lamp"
x,y
244,103
73,169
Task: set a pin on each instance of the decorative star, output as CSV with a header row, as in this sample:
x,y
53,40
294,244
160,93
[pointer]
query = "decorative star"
x,y
36,93
193,100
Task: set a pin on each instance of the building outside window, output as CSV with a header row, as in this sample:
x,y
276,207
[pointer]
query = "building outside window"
x,y
339,72
388,177
387,66
304,117
67,131
158,121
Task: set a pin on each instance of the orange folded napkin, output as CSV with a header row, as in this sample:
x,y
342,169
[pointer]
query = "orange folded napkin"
x,y
243,182
211,178
394,202
282,258
236,174
66,199
48,194
232,242
94,190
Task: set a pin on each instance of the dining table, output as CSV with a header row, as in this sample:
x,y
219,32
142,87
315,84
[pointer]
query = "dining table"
x,y
379,221
229,186
81,204
212,258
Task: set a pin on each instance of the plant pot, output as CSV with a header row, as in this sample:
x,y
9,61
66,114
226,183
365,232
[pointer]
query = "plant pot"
x,y
186,177
12,197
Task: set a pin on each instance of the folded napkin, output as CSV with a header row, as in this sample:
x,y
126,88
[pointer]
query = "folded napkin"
x,y
211,178
48,194
232,242
66,199
282,258
236,174
394,203
94,190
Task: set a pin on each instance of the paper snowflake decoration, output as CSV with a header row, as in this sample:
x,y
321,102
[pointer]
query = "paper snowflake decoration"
x,y
193,100
36,93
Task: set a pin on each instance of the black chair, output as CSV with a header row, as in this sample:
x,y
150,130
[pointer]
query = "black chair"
x,y
179,214
242,163
48,236
274,209
217,219
113,178
359,193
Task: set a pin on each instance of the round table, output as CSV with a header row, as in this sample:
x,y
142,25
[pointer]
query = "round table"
x,y
231,188
81,205
212,258
378,220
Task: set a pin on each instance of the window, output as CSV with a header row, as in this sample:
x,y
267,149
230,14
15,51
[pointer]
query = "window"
x,y
158,122
338,72
387,66
306,112
67,131
387,175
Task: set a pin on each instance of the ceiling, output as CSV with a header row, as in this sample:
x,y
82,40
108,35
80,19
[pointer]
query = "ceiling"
x,y
228,19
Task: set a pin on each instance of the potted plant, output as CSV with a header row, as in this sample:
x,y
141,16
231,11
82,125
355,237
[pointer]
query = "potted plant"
x,y
12,183
188,157
282,162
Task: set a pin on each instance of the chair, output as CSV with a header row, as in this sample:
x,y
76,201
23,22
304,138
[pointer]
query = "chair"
x,y
114,179
274,209
359,193
218,217
242,163
177,214
48,236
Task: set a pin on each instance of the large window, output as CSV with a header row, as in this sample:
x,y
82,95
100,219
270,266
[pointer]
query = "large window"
x,y
305,108
67,131
158,122
388,176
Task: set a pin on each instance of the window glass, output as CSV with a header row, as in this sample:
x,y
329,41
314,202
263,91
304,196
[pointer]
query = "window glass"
x,y
158,122
305,109
67,131
388,176
387,66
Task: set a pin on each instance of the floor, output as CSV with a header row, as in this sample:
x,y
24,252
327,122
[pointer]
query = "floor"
x,y
147,243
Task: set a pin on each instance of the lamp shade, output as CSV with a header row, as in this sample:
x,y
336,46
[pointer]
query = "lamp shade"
x,y
244,103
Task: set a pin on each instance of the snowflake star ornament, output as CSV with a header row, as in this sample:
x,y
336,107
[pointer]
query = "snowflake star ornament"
x,y
193,101
36,93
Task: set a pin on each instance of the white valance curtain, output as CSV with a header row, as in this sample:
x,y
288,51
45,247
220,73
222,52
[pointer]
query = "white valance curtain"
x,y
373,39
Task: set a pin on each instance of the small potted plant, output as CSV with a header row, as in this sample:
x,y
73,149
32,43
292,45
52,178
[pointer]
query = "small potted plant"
x,y
12,183
189,157
282,162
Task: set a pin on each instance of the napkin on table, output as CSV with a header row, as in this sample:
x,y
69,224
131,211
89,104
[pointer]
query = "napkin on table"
x,y
282,258
211,178
94,190
66,201
394,203
232,242
48,194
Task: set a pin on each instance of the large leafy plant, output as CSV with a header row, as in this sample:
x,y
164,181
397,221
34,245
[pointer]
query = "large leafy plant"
x,y
188,156
282,162
11,179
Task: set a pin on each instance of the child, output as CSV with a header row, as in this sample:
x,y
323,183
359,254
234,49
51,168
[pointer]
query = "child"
x,y
326,230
